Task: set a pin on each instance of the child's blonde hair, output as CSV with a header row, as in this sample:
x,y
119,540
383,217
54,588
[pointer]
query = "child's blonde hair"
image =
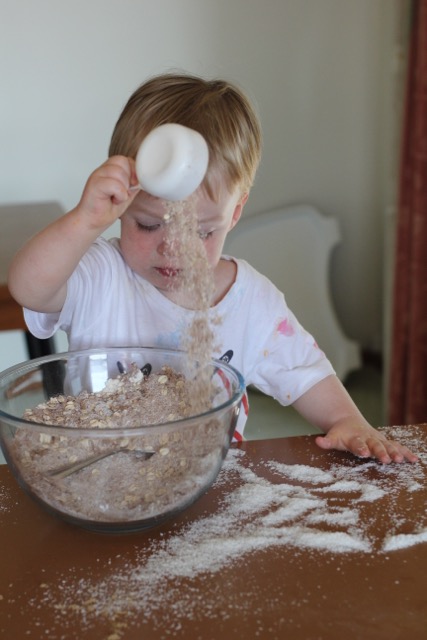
x,y
217,109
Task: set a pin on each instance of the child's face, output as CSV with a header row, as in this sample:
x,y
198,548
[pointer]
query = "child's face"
x,y
143,235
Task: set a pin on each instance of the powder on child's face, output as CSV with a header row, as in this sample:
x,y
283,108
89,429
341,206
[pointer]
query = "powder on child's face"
x,y
145,223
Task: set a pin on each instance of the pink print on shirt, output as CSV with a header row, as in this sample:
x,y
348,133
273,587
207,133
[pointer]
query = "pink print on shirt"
x,y
285,328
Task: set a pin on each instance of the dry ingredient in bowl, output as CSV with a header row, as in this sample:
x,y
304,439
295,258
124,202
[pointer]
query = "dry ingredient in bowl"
x,y
130,400
123,487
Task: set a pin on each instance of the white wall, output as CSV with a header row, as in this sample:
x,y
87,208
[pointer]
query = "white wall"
x,y
315,68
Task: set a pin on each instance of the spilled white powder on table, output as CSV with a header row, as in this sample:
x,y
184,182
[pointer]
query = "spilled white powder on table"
x,y
5,499
302,506
403,540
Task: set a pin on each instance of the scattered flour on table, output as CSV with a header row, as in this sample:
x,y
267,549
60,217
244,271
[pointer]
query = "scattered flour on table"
x,y
5,500
403,540
301,508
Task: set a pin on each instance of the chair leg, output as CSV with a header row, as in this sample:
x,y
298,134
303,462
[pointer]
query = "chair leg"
x,y
38,347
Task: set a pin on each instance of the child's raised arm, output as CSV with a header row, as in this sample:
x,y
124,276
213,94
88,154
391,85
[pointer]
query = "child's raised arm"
x,y
328,406
39,272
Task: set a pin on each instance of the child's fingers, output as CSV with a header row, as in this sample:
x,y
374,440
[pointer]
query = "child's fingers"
x,y
379,450
120,169
107,193
355,444
385,451
390,451
400,453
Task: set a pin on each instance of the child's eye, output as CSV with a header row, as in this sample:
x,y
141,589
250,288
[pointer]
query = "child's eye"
x,y
147,227
204,235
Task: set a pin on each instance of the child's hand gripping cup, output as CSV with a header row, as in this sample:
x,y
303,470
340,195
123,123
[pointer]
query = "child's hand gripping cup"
x,y
172,162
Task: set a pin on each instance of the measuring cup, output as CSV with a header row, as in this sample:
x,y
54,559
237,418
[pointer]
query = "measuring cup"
x,y
172,161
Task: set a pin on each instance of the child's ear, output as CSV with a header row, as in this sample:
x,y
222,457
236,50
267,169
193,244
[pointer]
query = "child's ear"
x,y
238,210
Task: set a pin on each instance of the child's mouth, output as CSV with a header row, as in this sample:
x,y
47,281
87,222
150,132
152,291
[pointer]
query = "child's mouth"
x,y
167,272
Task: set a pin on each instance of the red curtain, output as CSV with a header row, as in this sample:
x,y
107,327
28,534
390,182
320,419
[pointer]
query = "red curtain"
x,y
408,372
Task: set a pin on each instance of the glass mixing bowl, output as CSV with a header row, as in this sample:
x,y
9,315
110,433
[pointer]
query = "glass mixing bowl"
x,y
129,475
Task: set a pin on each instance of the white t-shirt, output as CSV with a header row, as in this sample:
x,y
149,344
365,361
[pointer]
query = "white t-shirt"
x,y
109,305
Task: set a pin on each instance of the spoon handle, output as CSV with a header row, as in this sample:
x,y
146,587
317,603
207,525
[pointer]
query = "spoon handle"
x,y
67,470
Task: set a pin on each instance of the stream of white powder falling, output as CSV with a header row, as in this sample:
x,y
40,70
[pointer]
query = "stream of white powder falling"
x,y
196,286
299,509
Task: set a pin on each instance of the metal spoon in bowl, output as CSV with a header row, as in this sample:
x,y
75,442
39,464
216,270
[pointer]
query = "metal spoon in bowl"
x,y
67,470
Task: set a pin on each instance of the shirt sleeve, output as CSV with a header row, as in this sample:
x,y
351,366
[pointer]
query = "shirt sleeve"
x,y
285,358
82,291
287,371
42,325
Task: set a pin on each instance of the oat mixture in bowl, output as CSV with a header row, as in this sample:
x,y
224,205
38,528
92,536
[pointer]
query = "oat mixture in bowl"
x,y
118,439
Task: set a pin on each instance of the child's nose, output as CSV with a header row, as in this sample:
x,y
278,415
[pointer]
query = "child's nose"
x,y
161,248
167,248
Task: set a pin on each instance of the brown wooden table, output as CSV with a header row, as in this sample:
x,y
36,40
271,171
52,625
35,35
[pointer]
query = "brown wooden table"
x,y
55,578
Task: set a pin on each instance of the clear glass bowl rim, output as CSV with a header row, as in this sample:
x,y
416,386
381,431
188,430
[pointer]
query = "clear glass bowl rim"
x,y
99,432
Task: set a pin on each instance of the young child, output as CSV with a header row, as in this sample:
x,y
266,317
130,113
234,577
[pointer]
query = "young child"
x,y
121,292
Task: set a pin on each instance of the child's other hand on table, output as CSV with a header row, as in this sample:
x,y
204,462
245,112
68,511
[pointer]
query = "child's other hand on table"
x,y
365,442
328,406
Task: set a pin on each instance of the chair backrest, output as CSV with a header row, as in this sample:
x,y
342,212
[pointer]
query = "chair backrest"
x,y
20,221
292,247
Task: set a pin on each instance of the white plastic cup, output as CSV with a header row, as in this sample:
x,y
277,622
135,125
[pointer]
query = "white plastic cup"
x,y
172,161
